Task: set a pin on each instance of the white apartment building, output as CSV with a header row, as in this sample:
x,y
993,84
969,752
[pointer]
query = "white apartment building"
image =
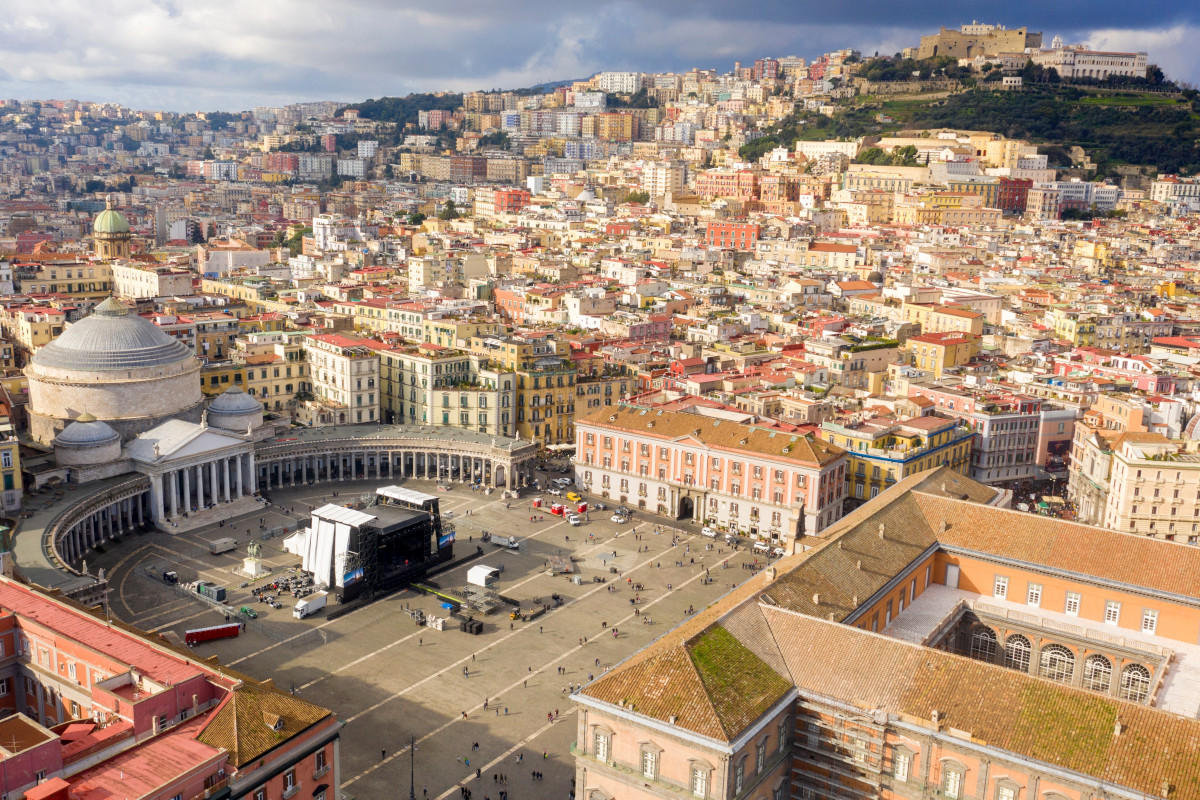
x,y
618,82
1077,61
660,178
345,381
1154,488
138,280
756,481
816,149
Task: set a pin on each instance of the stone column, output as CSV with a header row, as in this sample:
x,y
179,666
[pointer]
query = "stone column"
x,y
508,475
174,487
216,487
237,468
253,470
199,485
187,488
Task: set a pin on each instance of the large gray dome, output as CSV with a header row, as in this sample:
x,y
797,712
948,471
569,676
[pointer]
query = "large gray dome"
x,y
112,338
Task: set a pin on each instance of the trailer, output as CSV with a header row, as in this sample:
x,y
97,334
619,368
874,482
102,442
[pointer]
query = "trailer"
x,y
223,545
310,605
226,631
210,590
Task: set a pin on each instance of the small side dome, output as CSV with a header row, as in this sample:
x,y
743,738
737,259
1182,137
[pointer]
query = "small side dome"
x,y
234,410
234,401
86,431
87,442
875,277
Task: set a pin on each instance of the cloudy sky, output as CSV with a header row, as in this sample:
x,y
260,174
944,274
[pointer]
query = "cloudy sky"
x,y
188,55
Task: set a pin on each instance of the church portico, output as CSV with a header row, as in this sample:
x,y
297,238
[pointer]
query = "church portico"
x,y
193,468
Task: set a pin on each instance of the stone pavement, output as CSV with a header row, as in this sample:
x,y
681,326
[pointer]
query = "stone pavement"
x,y
387,678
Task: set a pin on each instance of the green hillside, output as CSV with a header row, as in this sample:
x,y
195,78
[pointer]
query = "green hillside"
x,y
1114,127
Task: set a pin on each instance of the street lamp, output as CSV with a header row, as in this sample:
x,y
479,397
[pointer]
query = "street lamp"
x,y
412,767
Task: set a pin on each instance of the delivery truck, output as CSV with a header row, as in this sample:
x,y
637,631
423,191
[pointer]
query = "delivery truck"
x,y
310,605
226,631
218,546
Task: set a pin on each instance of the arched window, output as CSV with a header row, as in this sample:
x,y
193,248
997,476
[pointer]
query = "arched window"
x,y
1017,652
1057,663
1135,683
1097,673
983,644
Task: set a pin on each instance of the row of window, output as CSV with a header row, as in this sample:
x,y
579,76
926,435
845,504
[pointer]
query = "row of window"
x,y
699,772
1074,600
1057,663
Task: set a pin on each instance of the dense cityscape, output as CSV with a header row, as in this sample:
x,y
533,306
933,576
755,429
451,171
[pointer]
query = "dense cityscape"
x,y
829,425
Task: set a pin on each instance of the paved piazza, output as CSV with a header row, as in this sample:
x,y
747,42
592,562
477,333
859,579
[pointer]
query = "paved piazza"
x,y
388,679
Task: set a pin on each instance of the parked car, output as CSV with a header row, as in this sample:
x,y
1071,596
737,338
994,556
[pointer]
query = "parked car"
x,y
554,490
762,547
709,532
247,611
600,507
624,510
574,497
575,519
779,552
620,519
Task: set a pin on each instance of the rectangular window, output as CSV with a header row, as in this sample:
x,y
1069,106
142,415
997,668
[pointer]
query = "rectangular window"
x,y
699,782
1112,612
739,776
649,763
1000,587
900,766
1033,597
1149,620
1006,793
601,747
952,783
1073,600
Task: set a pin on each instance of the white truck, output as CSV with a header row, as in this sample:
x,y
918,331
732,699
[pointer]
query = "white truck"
x,y
310,605
218,546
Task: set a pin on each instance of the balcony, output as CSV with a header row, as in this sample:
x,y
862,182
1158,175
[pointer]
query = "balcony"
x,y
292,792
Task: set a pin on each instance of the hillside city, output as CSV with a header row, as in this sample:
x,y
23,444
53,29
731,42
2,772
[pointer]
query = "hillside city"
x,y
823,456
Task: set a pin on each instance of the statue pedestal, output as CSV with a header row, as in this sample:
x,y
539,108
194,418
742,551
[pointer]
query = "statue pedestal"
x,y
253,568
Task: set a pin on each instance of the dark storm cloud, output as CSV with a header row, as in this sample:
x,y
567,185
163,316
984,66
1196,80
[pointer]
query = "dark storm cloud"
x,y
230,54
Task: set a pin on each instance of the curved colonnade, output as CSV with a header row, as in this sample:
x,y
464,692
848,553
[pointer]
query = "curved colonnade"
x,y
117,507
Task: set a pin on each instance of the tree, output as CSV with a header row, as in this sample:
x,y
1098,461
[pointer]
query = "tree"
x,y
638,197
449,212
415,218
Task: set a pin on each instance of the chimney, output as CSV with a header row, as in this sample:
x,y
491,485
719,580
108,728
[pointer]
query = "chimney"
x,y
859,564
817,599
936,718
1117,727
882,528
854,601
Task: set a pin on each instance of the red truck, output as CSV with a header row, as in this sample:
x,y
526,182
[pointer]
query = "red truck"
x,y
226,631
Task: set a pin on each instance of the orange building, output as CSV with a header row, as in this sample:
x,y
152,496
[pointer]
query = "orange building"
x,y
934,643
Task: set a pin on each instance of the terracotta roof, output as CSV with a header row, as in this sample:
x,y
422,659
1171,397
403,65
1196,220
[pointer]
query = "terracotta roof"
x,y
1070,728
240,725
711,684
715,433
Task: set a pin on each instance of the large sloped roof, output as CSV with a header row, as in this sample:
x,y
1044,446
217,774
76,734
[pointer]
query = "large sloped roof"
x,y
112,338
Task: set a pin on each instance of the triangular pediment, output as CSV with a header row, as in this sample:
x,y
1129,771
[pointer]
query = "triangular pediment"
x,y
178,439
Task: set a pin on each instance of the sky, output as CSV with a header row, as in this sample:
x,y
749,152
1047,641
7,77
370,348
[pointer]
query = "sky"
x,y
204,55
